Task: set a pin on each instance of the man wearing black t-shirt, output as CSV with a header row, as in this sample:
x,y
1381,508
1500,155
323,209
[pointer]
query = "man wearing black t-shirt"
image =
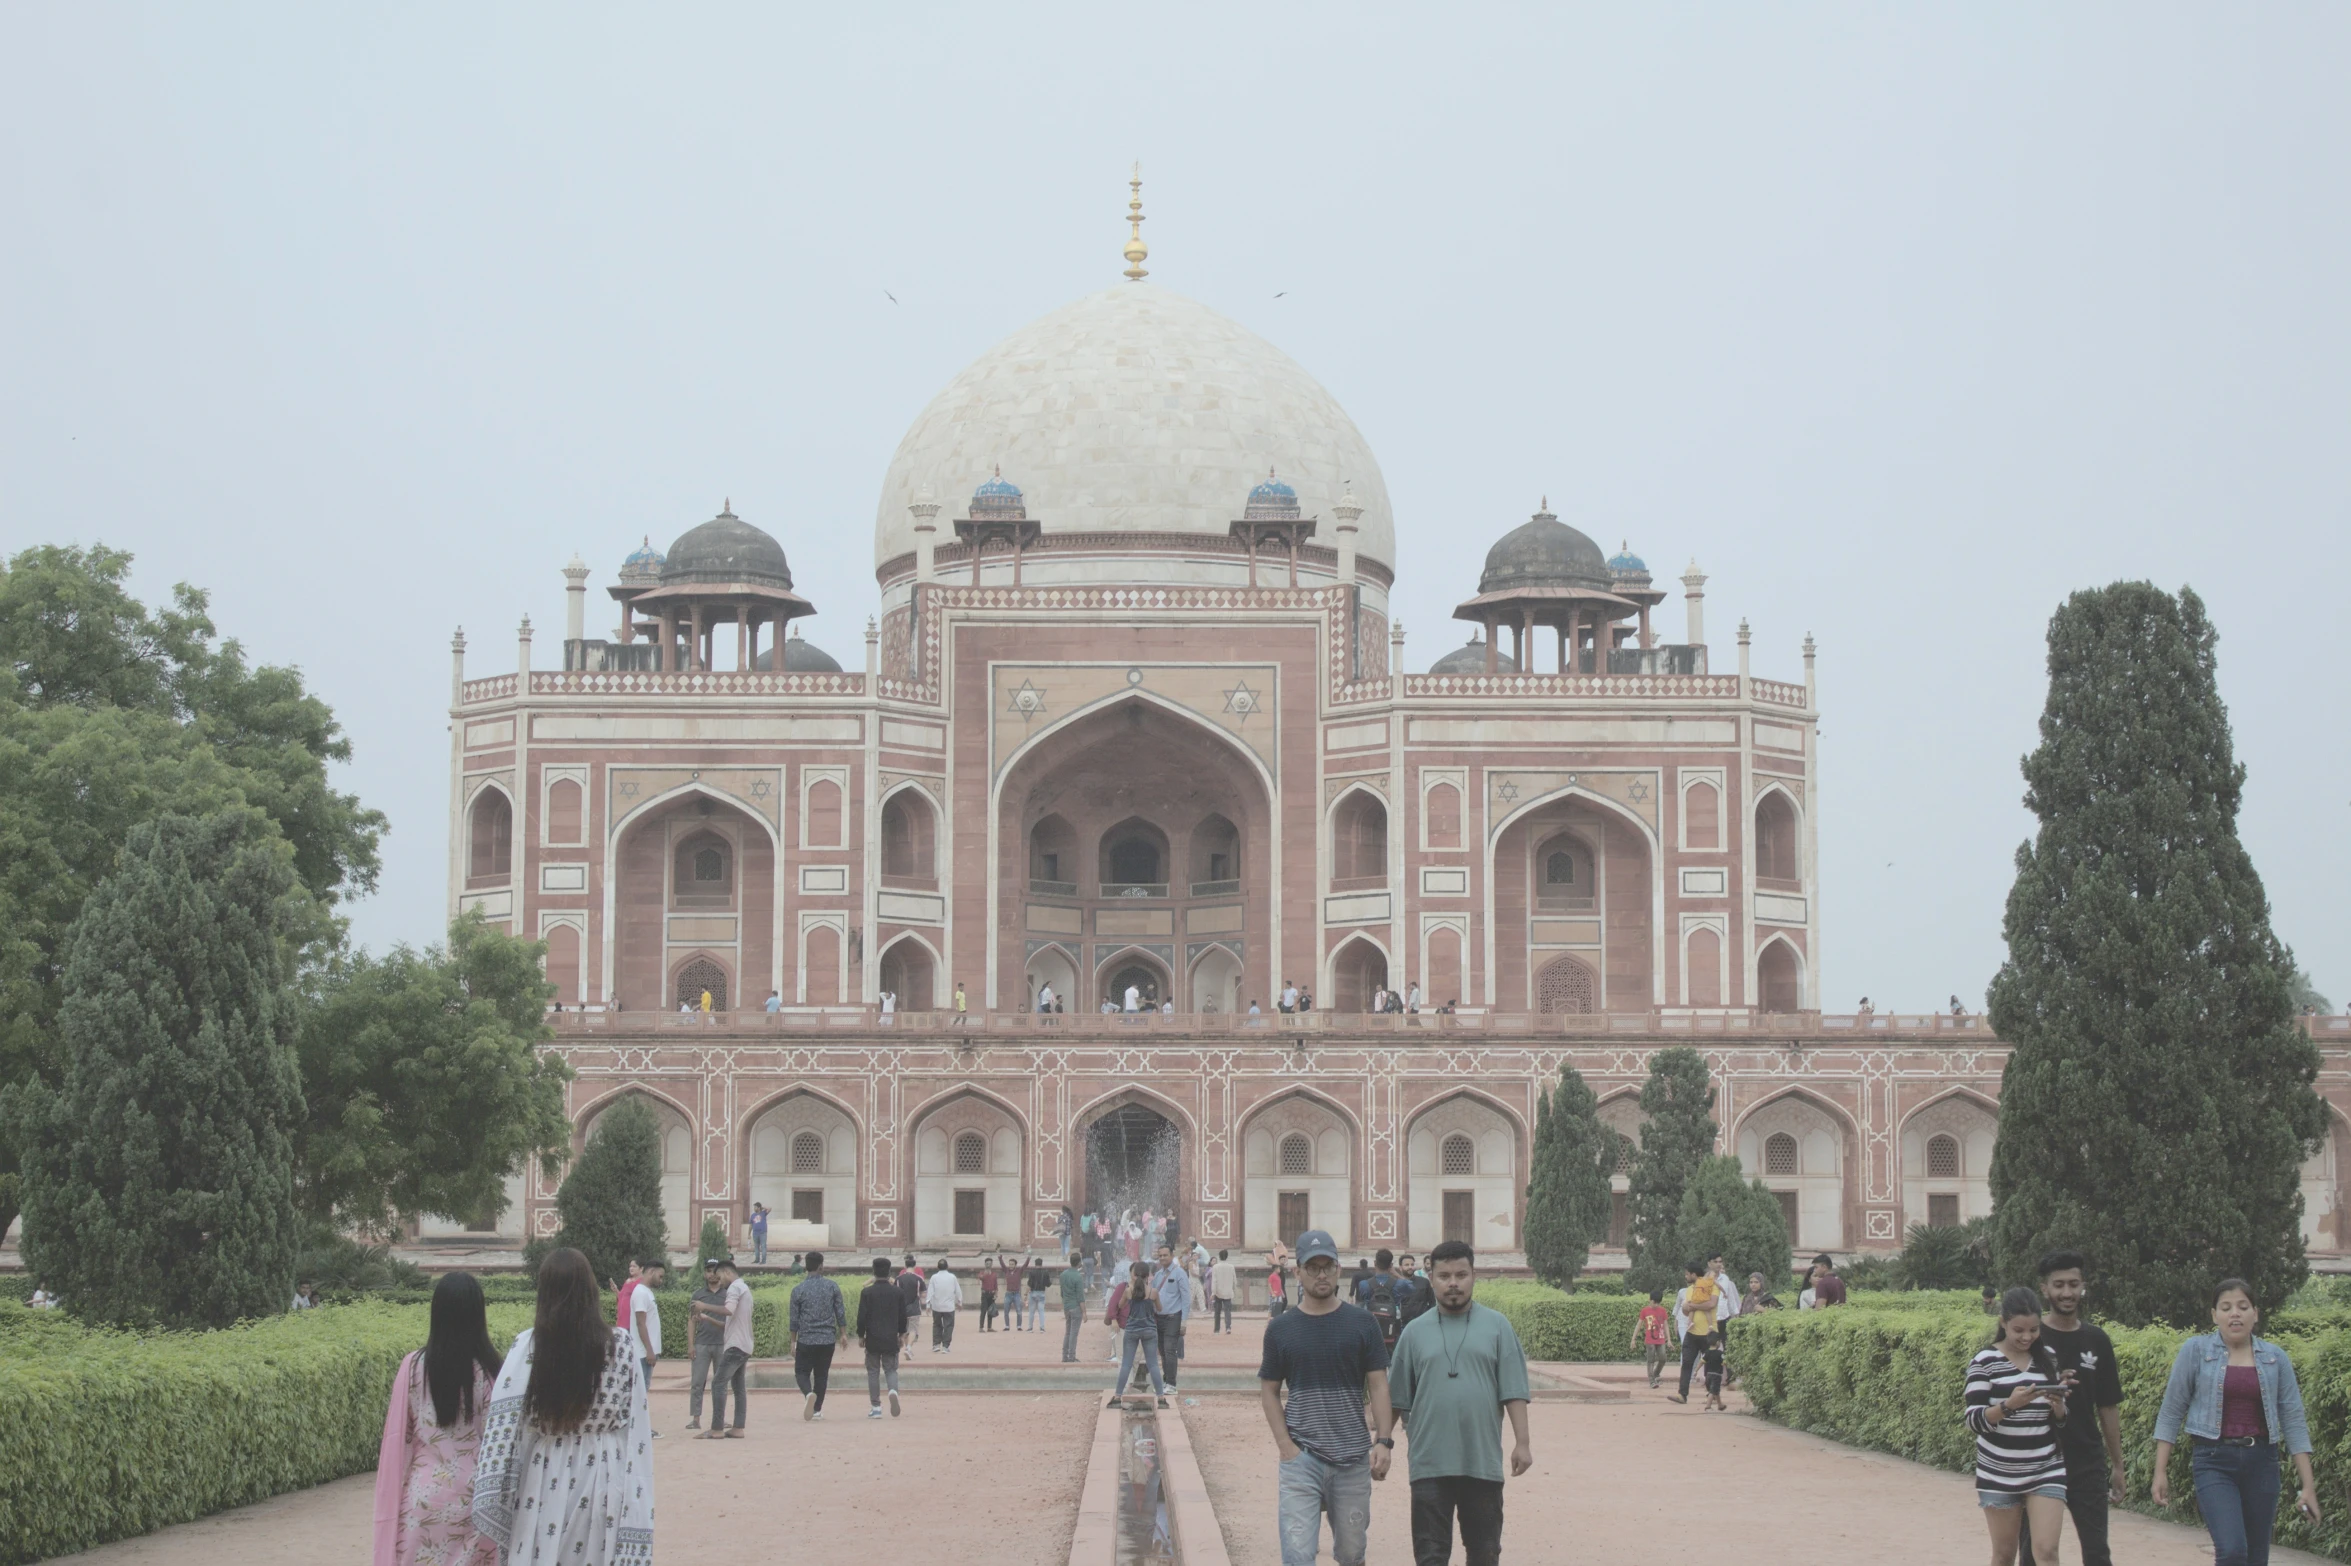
x,y
2092,1433
1334,1360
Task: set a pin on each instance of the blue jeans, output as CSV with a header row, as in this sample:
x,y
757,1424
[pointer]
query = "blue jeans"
x,y
2237,1491
1149,1341
759,1246
1037,1311
1309,1489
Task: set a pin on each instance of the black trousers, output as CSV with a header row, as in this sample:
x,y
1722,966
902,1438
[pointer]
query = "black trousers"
x,y
2086,1478
942,1329
1435,1503
1220,1317
812,1368
1710,1347
1171,1346
987,1308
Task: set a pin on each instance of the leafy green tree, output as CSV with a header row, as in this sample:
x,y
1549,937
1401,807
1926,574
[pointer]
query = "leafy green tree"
x,y
159,1178
1725,1212
111,715
425,1083
610,1204
2159,1102
1677,1137
1947,1256
1567,1185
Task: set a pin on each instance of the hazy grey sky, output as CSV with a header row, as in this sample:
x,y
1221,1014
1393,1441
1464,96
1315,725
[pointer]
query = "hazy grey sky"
x,y
1903,324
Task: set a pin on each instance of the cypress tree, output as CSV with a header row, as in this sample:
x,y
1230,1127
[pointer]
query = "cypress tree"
x,y
1725,1212
1567,1185
2159,1101
610,1203
159,1175
1677,1137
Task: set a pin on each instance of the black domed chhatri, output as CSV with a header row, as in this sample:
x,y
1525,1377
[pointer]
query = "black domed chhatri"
x,y
800,657
1472,660
1545,552
726,549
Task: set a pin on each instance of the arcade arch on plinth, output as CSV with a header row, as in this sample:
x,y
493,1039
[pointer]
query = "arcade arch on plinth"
x,y
1135,836
1298,1161
1946,1152
1138,1160
804,1164
1463,1158
968,1152
1808,1154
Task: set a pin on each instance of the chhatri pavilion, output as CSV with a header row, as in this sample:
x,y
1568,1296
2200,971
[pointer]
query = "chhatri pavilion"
x,y
1132,714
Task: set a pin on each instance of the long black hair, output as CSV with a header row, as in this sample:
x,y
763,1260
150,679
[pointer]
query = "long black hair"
x,y
458,1342
570,1344
2021,1301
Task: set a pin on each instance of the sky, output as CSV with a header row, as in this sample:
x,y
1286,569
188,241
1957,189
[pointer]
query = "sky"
x,y
1903,322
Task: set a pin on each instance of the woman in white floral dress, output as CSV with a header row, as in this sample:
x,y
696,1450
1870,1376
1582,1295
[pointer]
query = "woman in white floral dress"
x,y
432,1432
566,1470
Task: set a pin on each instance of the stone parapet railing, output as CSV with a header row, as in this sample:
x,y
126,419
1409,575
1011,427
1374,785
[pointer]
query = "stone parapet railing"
x,y
1478,1024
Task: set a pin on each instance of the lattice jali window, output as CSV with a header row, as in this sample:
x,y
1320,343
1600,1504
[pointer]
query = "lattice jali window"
x,y
1942,1158
1779,1154
1566,984
808,1153
1459,1155
971,1153
1297,1154
699,975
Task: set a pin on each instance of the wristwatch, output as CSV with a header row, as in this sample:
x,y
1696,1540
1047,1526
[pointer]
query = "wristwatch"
x,y
1386,1441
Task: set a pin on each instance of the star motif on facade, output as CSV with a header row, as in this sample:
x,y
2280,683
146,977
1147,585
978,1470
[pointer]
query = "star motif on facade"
x,y
1241,701
1028,701
1509,792
1638,788
759,788
626,790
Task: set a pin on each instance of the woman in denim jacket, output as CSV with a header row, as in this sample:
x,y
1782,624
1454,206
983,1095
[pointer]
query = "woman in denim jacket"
x,y
2239,1400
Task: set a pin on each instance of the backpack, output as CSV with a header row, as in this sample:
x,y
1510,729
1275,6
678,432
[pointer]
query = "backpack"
x,y
1384,1306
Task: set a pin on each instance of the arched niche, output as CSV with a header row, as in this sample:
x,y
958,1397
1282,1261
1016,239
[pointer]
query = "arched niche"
x,y
910,840
1813,1193
1358,969
1605,918
1053,966
1359,841
962,1201
1053,856
1779,978
1133,968
695,879
489,838
1216,981
566,812
909,969
1281,1196
1622,1114
1947,1161
1463,1171
804,1165
1132,853
1215,853
1776,857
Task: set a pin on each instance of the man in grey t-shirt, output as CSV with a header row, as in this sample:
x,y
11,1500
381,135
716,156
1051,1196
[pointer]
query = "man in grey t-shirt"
x,y
1333,1360
708,1312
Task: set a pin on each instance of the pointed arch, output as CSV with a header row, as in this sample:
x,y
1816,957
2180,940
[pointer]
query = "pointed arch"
x,y
1779,976
617,828
1356,825
1776,824
1106,972
916,997
1465,1155
1278,1196
1822,1198
1650,840
490,817
1354,967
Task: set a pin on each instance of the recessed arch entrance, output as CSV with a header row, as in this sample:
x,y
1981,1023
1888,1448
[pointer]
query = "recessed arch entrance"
x,y
909,969
1133,825
1135,1157
1141,971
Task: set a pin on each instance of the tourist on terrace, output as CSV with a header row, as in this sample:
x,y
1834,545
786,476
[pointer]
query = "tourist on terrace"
x,y
2014,1402
433,1433
1135,1320
566,1466
2236,1397
1328,1353
944,1295
1454,1375
819,1317
881,1327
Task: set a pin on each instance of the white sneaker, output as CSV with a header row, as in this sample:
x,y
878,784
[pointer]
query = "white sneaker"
x,y
808,1405
893,1402
874,1412
819,1414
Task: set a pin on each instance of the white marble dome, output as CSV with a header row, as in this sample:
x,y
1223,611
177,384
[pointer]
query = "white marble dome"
x,y
1134,410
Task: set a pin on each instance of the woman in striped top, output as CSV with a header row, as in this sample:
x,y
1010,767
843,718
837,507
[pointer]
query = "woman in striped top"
x,y
2015,1401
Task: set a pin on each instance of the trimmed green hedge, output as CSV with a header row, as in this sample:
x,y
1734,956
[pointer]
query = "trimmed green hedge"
x,y
1557,1326
1892,1380
103,1435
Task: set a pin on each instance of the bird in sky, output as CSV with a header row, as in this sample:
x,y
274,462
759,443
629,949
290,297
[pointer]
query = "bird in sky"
x,y
1284,294
886,294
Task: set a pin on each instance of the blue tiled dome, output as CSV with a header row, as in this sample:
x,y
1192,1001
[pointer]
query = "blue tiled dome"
x,y
1000,499
1273,489
1624,562
997,488
643,564
1271,501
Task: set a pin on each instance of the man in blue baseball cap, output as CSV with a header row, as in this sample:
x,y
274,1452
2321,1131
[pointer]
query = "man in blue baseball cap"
x,y
1333,1359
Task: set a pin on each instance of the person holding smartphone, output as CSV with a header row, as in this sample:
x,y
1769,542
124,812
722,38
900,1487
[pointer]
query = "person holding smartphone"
x,y
2092,1432
2015,1404
2237,1398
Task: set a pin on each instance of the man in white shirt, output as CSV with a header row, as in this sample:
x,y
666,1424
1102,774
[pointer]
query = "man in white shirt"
x,y
1134,998
645,1314
1045,998
1289,996
944,1295
1224,1282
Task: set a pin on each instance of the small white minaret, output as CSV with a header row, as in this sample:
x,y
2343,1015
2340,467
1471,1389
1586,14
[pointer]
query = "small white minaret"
x,y
457,668
1349,511
522,655
925,512
1694,595
575,587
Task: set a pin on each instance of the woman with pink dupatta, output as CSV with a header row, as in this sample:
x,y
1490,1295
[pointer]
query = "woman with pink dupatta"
x,y
432,1434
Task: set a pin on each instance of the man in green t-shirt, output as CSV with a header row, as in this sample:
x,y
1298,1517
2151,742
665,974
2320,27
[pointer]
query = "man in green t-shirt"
x,y
1073,1310
1457,1370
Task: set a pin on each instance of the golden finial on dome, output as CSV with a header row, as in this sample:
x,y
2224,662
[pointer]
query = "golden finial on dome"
x,y
1136,250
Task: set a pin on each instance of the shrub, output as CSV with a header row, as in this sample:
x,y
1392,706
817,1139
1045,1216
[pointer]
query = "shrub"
x,y
1945,1257
1556,1326
1727,1214
610,1203
771,1321
103,1435
1567,1187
